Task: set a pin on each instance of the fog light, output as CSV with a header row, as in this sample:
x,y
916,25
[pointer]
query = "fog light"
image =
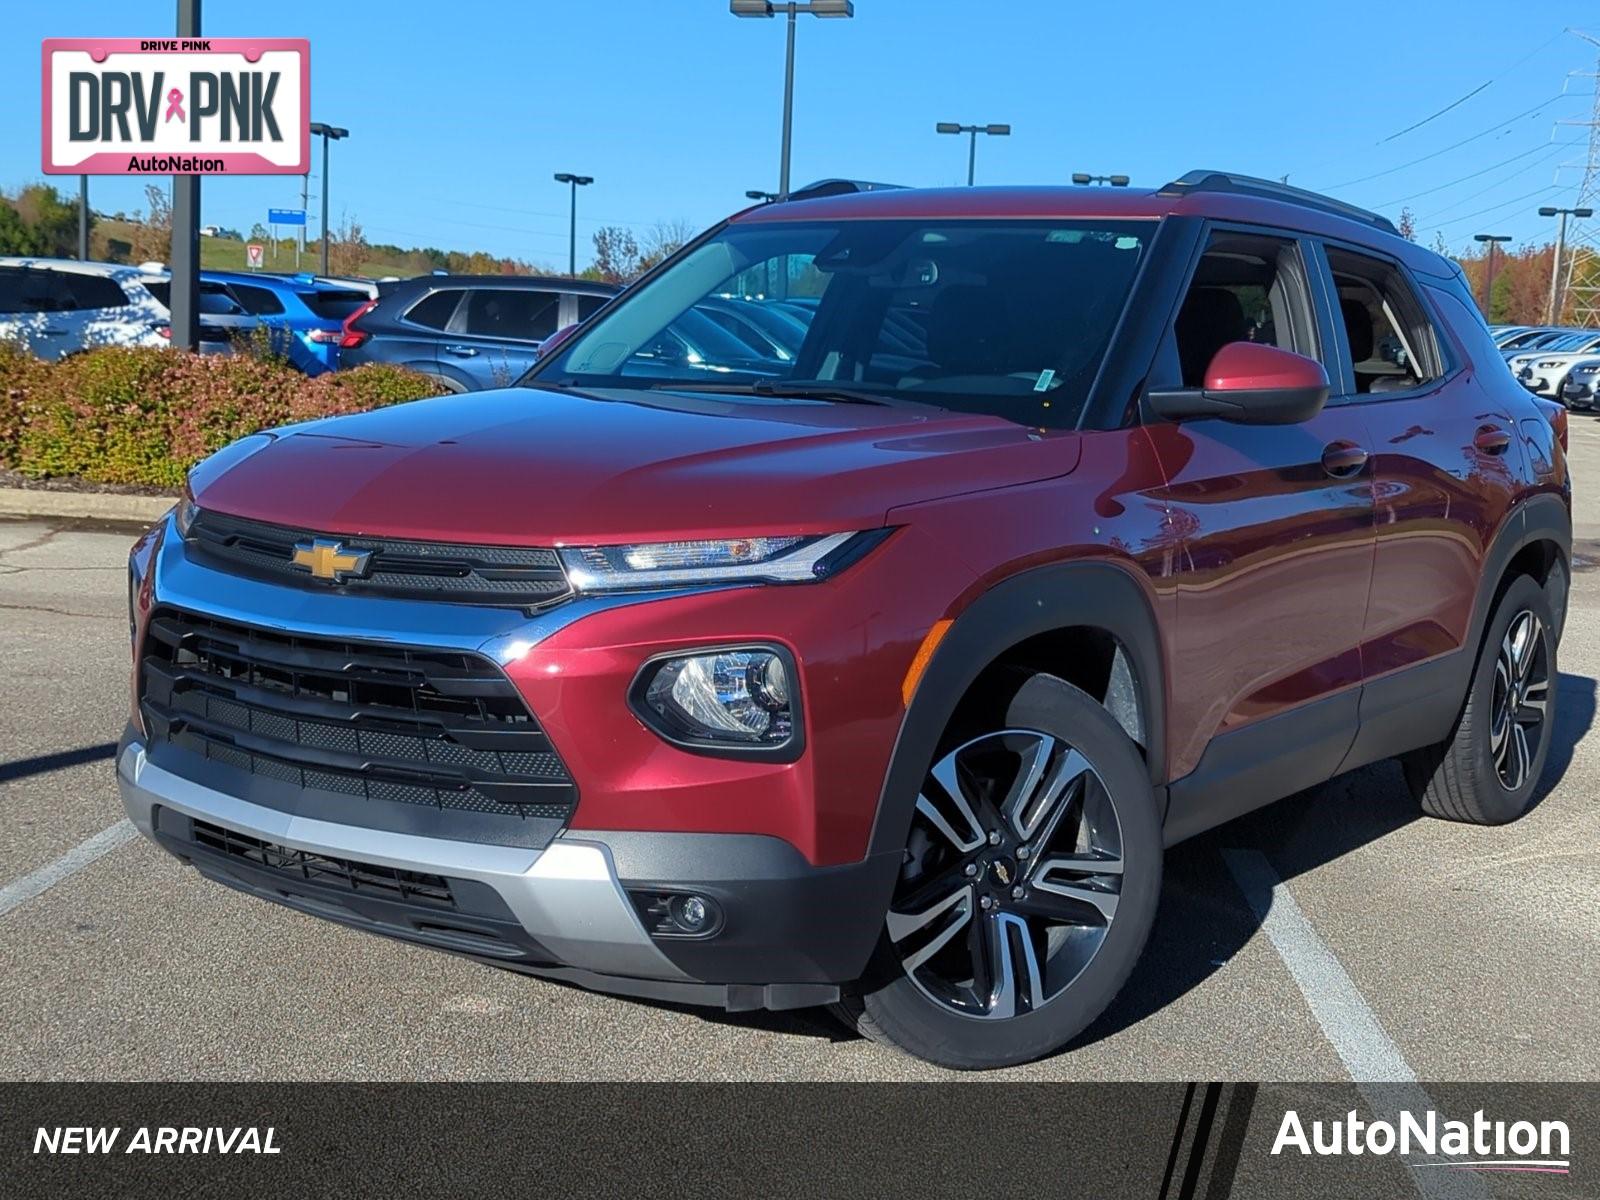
x,y
690,914
741,699
677,914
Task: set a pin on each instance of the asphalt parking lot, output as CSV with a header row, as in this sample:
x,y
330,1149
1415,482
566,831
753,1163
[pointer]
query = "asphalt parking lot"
x,y
1334,933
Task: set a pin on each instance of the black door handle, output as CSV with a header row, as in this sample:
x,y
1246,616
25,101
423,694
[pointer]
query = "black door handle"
x,y
1343,460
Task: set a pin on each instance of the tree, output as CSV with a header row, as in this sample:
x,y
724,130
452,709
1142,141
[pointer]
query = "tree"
x,y
259,232
347,248
664,240
152,238
37,221
1407,225
616,254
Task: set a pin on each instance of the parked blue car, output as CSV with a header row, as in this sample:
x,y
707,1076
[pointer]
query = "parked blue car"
x,y
303,314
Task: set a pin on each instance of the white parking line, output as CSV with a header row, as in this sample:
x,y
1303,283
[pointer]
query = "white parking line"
x,y
69,864
1375,1063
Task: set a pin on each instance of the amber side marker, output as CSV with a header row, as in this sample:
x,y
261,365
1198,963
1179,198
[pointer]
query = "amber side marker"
x,y
924,656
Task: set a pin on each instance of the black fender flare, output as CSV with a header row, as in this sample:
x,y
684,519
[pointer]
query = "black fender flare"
x,y
1035,601
1541,518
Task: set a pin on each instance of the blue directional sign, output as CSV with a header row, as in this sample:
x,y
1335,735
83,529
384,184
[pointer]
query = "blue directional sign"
x,y
286,216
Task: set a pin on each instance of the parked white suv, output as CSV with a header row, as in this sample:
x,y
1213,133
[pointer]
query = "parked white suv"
x,y
1544,371
56,307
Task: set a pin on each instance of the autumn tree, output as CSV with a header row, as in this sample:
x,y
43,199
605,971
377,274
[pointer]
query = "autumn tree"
x,y
152,237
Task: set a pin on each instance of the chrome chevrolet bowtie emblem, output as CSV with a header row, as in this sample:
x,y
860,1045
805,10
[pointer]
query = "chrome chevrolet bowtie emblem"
x,y
328,559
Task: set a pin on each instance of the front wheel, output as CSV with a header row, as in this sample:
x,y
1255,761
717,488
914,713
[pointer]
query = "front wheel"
x,y
1030,883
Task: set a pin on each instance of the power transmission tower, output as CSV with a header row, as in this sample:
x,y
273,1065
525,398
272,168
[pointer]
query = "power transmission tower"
x,y
1582,288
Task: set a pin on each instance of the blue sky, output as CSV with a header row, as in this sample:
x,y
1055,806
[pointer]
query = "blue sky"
x,y
459,113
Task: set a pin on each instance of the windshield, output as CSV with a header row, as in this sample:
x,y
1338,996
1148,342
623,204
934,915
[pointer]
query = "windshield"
x,y
1010,318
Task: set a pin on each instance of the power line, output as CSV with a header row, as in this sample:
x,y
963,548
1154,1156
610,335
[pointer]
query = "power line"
x,y
1496,79
1483,212
1502,163
1495,128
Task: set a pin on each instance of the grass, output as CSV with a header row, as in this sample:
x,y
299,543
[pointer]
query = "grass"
x,y
228,254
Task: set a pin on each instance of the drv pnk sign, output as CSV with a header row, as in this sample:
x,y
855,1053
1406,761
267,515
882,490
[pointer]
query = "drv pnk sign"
x,y
177,106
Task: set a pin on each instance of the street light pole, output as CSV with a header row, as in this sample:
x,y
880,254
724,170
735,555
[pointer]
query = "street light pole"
x,y
791,9
327,133
1553,309
972,146
83,218
576,182
1491,240
184,320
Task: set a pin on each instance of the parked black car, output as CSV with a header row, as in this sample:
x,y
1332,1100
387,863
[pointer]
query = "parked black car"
x,y
472,331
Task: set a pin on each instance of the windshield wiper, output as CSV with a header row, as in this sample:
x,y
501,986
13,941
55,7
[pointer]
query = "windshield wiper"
x,y
799,389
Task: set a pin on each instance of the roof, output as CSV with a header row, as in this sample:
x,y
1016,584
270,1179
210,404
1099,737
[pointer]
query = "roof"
x,y
115,270
1054,202
561,282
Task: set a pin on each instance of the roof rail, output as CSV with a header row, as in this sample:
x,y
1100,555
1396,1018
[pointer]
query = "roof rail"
x,y
1248,185
839,187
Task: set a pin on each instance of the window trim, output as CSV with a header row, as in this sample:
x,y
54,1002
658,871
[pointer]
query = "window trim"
x,y
1444,346
1310,282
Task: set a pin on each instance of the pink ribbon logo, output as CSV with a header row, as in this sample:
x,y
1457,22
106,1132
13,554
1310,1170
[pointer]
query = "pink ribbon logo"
x,y
175,105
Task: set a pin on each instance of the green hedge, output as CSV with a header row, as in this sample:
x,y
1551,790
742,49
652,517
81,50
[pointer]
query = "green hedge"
x,y
145,416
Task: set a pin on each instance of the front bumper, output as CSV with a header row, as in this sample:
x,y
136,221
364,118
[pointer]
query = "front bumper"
x,y
792,933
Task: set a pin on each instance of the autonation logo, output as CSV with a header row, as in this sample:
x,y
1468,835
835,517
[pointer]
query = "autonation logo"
x,y
1476,1145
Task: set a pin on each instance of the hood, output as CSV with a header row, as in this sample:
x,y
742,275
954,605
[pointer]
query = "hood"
x,y
525,466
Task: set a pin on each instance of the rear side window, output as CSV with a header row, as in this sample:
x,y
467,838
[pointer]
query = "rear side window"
x,y
334,306
94,291
1390,340
589,305
524,316
435,310
258,301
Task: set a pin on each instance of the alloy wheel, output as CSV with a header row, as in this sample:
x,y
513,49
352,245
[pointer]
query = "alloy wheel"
x,y
1012,877
1521,695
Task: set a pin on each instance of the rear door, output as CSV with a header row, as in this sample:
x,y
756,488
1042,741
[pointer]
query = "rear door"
x,y
1444,461
407,329
1273,528
495,334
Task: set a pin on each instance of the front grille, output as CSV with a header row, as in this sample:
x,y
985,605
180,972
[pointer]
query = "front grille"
x,y
364,879
387,724
523,576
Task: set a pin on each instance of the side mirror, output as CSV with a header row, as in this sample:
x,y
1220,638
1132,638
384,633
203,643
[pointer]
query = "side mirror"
x,y
1251,384
555,339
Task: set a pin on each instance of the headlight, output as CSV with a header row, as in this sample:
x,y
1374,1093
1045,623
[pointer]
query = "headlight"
x,y
741,700
1548,364
184,514
733,560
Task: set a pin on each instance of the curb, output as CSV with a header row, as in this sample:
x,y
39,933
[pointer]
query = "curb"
x,y
96,506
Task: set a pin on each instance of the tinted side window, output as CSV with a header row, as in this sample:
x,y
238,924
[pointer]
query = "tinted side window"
x,y
94,291
589,305
516,314
12,298
434,310
260,301
1391,342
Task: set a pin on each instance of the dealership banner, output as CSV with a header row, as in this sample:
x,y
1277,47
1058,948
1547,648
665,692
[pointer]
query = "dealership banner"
x,y
177,106
990,1138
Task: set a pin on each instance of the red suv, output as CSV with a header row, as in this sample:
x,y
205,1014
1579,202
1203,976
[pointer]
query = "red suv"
x,y
1077,522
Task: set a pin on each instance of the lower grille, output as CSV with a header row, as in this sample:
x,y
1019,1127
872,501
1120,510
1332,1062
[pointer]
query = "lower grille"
x,y
386,724
366,879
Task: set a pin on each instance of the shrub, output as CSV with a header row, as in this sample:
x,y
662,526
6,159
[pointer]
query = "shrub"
x,y
145,416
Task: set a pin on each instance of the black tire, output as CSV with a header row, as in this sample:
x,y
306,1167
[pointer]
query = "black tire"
x,y
1468,776
889,1007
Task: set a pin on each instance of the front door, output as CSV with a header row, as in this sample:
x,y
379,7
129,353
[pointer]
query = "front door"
x,y
1273,526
